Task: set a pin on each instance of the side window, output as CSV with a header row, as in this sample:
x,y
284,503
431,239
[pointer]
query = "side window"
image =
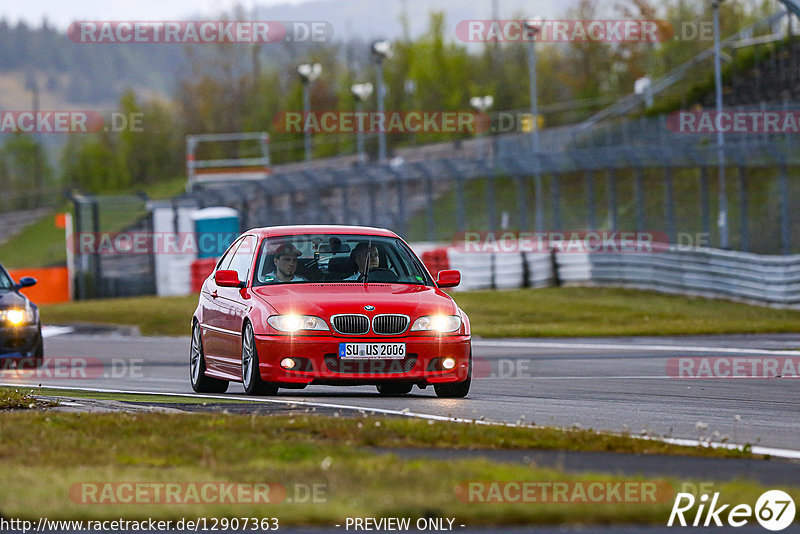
x,y
225,261
243,257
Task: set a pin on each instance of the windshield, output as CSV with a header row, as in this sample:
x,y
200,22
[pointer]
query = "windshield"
x,y
337,258
5,280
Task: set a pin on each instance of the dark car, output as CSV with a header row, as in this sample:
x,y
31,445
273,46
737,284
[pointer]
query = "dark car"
x,y
20,328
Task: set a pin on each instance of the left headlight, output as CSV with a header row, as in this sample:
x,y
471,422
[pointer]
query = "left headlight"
x,y
16,317
294,323
437,323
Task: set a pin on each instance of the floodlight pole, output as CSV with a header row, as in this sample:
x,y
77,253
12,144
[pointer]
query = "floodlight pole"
x,y
360,93
534,27
382,132
380,51
306,111
722,221
308,73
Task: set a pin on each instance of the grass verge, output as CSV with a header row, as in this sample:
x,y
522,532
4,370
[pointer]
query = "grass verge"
x,y
38,245
412,432
123,397
546,312
295,452
14,399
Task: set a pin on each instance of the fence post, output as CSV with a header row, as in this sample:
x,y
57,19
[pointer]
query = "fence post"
x,y
429,209
670,203
641,222
591,212
522,201
79,281
704,207
97,268
401,205
786,241
555,192
373,211
491,201
745,231
460,217
613,213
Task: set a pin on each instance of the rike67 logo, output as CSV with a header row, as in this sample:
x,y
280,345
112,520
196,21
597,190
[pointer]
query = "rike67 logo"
x,y
774,510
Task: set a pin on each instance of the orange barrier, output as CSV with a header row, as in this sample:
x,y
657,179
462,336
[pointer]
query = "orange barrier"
x,y
52,284
436,260
200,270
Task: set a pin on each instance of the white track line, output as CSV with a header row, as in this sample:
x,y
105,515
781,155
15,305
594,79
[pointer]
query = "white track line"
x,y
780,453
52,331
628,347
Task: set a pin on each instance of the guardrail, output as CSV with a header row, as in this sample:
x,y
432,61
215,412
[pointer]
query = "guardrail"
x,y
771,280
755,278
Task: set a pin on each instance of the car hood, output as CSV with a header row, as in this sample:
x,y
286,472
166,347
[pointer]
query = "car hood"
x,y
11,299
324,300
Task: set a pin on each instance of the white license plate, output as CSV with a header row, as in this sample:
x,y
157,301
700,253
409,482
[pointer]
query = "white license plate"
x,y
372,351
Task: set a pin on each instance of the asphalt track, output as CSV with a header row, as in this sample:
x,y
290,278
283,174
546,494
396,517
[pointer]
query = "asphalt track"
x,y
612,384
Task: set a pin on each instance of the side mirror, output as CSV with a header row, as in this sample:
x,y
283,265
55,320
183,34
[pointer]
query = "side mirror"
x,y
449,278
26,281
227,278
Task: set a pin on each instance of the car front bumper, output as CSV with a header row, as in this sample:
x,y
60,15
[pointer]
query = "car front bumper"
x,y
19,341
319,362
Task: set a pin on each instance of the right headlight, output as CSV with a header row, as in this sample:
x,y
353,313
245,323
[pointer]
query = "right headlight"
x,y
441,324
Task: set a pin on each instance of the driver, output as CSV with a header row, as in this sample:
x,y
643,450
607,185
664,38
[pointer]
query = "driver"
x,y
359,256
285,259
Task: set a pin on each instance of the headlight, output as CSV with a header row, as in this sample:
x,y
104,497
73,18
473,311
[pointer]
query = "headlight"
x,y
437,323
293,323
16,317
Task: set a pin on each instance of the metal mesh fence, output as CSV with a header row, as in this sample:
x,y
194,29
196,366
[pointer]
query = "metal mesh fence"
x,y
102,268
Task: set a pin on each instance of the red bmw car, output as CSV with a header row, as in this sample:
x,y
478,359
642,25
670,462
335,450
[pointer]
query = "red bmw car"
x,y
338,305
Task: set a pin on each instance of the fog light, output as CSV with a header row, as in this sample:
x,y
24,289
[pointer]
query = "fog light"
x,y
448,363
288,363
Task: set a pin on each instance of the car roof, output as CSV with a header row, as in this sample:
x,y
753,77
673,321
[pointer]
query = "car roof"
x,y
273,231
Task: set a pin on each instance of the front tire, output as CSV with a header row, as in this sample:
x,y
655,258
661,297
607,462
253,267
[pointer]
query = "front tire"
x,y
251,376
36,360
197,368
456,390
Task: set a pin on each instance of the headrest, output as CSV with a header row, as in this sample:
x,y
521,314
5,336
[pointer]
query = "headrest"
x,y
342,265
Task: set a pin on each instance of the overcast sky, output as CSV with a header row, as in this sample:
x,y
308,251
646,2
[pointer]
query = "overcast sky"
x,y
61,13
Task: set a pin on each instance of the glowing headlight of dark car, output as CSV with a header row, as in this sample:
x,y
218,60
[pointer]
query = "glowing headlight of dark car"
x,y
16,317
295,323
441,324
